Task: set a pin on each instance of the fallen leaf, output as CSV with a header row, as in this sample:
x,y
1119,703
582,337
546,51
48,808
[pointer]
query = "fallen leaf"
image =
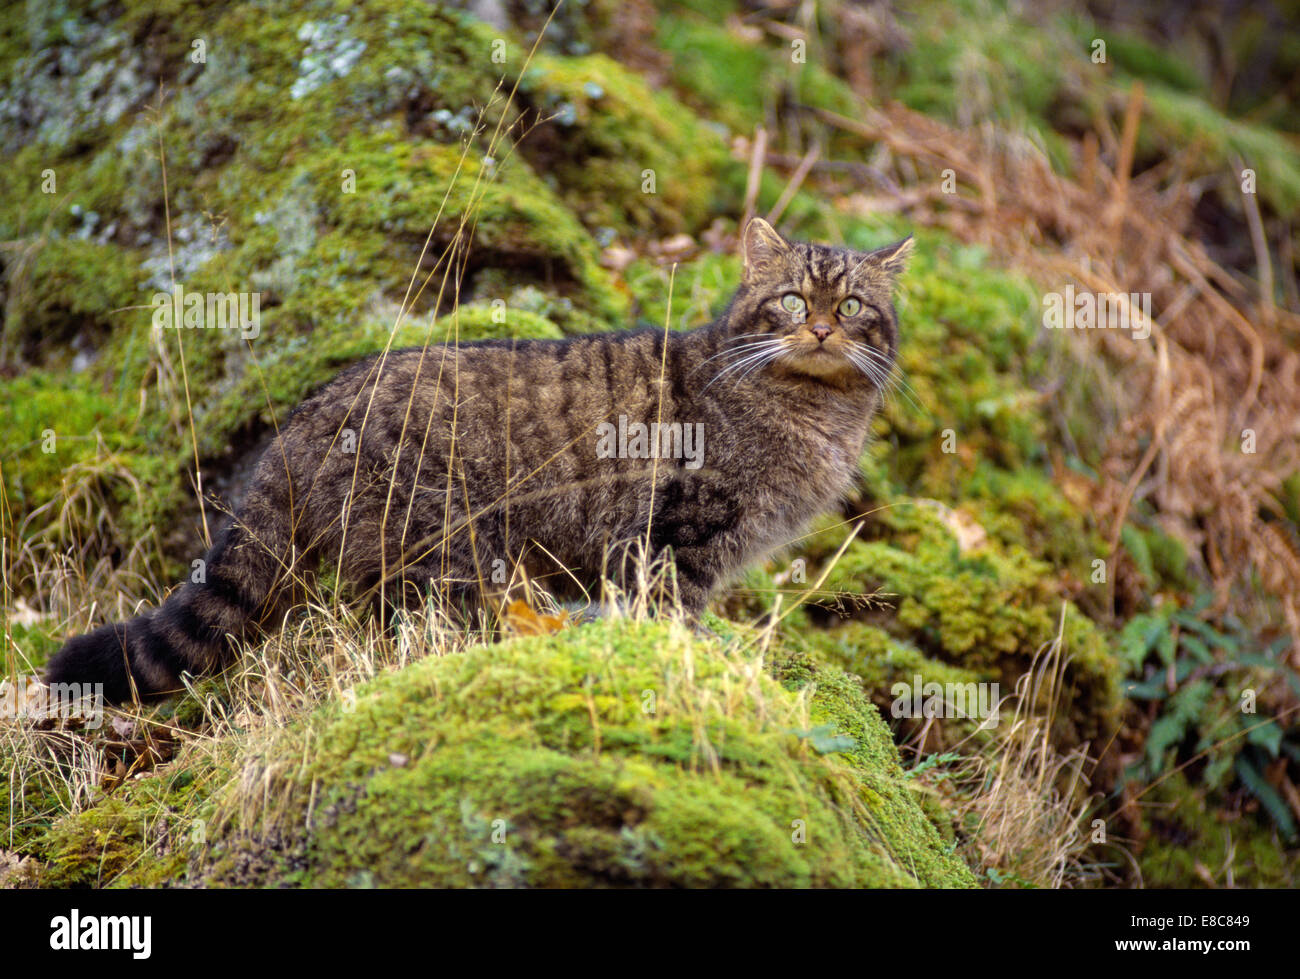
x,y
617,257
964,527
521,619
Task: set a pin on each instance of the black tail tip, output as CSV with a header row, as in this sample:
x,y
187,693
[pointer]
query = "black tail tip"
x,y
97,657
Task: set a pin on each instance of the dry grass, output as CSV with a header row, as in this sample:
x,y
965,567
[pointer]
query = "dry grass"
x,y
1020,805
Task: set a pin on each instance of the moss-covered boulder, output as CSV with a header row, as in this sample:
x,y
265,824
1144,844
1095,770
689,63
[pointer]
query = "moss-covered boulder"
x,y
624,155
959,611
616,754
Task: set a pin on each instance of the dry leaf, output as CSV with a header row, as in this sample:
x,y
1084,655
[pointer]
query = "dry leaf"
x,y
617,257
964,527
522,620
16,871
124,727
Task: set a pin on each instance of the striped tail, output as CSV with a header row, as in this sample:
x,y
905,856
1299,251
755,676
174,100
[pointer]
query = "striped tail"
x,y
191,631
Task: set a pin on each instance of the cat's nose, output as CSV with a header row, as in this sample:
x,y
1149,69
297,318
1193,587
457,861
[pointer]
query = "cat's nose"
x,y
821,332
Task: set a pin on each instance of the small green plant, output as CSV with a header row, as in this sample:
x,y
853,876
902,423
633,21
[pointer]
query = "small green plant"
x,y
1214,698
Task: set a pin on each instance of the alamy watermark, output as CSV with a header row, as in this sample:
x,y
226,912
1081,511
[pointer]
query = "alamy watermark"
x,y
1068,310
75,932
29,699
654,441
179,309
972,700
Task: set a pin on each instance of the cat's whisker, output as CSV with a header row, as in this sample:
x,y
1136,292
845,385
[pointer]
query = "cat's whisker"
x,y
864,366
740,365
896,372
876,372
897,381
770,351
734,350
884,373
778,349
760,365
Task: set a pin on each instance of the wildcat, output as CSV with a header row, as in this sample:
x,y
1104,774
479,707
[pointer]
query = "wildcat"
x,y
438,467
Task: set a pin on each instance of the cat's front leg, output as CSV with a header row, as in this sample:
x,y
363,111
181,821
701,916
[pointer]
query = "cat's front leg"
x,y
697,572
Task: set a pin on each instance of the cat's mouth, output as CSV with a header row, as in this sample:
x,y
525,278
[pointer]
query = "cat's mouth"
x,y
821,360
834,359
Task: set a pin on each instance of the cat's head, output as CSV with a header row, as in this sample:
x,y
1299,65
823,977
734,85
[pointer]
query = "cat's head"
x,y
817,310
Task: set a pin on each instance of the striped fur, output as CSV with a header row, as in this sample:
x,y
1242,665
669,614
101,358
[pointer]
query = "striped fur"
x,y
435,469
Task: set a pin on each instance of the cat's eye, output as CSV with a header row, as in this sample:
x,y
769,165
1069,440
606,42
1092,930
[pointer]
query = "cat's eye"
x,y
793,303
850,307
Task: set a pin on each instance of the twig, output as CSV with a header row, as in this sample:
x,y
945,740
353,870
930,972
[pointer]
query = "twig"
x,y
1124,165
1259,241
757,154
796,179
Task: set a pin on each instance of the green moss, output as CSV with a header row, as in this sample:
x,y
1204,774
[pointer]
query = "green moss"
x,y
1026,507
1189,838
983,59
1174,118
141,835
29,804
879,659
966,351
67,436
61,289
700,289
988,610
514,217
609,755
840,705
709,58
481,322
626,157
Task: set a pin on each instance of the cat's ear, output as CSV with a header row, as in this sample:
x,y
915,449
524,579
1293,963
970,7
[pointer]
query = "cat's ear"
x,y
891,259
763,249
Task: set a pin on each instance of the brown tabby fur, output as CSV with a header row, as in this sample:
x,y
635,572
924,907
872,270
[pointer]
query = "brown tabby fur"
x,y
466,457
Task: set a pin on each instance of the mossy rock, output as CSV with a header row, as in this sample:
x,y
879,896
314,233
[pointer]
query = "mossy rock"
x,y
624,156
988,609
63,293
140,835
318,194
616,754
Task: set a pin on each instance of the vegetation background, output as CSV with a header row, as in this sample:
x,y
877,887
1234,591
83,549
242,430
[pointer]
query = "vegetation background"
x,y
1104,526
